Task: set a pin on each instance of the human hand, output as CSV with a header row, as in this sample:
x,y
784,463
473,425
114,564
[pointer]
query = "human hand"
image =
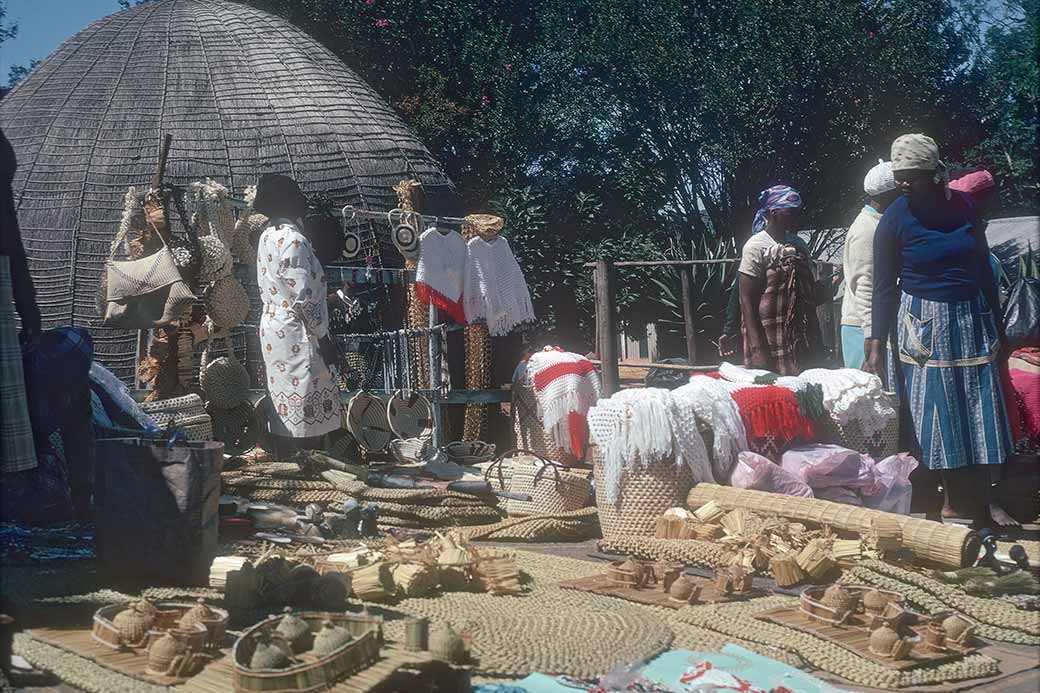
x,y
874,357
758,358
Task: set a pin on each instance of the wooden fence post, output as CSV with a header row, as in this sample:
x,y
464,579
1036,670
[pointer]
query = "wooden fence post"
x,y
686,275
606,320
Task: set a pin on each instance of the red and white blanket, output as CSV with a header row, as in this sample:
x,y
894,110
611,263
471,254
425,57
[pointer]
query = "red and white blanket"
x,y
566,386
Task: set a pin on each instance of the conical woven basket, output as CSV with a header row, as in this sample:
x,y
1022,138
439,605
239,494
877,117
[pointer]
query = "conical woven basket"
x,y
216,259
224,380
227,303
645,492
530,433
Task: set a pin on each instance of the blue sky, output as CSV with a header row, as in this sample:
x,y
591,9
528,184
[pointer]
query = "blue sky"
x,y
44,24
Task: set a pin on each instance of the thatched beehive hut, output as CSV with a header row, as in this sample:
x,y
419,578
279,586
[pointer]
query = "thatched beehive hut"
x,y
242,92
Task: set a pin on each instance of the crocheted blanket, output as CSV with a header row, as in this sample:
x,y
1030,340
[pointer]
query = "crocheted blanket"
x,y
773,410
494,288
566,386
715,409
441,270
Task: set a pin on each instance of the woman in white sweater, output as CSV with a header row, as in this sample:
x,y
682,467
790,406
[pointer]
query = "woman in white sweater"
x,y
858,262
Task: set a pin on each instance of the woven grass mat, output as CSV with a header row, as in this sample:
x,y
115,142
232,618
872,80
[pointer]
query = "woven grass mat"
x,y
288,497
737,620
465,515
685,551
417,496
243,484
573,526
479,613
77,671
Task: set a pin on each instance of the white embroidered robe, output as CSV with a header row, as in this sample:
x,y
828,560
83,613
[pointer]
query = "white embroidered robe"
x,y
295,317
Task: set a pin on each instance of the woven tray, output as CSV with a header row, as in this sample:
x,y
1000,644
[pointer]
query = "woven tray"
x,y
653,596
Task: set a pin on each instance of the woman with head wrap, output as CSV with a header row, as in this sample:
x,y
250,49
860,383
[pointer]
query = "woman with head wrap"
x,y
858,263
948,325
778,293
294,327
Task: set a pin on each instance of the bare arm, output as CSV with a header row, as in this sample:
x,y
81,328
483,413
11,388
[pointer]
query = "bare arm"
x,y
751,290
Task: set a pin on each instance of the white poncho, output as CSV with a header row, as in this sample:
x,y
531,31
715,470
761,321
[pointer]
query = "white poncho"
x,y
495,290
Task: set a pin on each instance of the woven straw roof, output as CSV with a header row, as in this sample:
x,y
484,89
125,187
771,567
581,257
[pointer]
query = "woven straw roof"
x,y
242,92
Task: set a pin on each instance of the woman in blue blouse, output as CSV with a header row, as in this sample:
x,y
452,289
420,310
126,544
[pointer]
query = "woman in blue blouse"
x,y
948,326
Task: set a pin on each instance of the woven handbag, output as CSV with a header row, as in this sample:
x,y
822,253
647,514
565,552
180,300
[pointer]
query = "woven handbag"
x,y
224,380
531,434
187,414
552,487
645,493
144,293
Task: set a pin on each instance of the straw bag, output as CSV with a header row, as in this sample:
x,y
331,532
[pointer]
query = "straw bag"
x,y
224,380
144,293
552,487
531,434
186,414
645,492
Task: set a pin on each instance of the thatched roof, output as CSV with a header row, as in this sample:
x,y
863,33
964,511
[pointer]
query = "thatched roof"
x,y
242,92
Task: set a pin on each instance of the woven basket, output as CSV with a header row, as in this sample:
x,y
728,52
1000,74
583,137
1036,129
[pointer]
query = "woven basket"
x,y
552,488
367,422
531,434
227,303
410,416
174,409
645,492
224,380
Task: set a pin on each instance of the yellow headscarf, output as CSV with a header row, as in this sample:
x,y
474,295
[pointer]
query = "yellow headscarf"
x,y
920,153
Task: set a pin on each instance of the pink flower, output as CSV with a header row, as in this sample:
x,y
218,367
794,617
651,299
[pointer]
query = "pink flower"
x,y
382,23
509,67
485,100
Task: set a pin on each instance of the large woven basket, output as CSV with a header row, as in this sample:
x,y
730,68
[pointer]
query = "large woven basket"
x,y
530,434
645,493
410,415
367,422
552,488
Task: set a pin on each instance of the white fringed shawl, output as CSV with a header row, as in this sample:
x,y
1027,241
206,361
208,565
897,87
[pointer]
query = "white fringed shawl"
x,y
566,386
713,405
441,270
495,290
850,394
644,426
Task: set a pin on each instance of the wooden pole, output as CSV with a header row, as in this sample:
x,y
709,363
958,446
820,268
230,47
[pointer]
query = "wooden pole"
x,y
686,275
144,337
435,377
606,317
164,153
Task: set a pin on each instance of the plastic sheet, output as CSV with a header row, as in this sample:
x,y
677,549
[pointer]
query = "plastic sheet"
x,y
894,492
756,472
828,466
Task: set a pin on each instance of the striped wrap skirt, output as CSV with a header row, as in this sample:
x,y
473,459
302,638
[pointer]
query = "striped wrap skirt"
x,y
951,381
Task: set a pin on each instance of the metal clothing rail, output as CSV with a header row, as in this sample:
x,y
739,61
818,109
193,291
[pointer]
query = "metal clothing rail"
x,y
350,212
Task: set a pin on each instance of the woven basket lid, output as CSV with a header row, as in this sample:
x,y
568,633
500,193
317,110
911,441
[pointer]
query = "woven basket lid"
x,y
227,303
410,415
351,244
216,259
367,422
406,239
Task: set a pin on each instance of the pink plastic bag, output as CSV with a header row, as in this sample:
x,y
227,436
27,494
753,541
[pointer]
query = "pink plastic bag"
x,y
828,466
756,472
894,491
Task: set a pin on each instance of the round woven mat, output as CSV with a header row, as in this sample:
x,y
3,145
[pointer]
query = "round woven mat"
x,y
573,526
78,671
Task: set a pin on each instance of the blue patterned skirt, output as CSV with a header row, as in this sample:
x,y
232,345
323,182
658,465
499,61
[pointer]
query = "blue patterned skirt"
x,y
951,381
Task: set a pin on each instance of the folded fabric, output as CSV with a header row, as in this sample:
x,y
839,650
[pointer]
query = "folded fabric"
x,y
566,386
772,410
441,270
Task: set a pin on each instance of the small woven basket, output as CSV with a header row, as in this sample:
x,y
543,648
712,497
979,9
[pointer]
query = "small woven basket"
x,y
644,494
410,415
531,434
174,409
553,489
367,422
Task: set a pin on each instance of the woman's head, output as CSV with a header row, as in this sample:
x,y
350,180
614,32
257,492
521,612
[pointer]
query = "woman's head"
x,y
779,209
279,196
324,232
917,168
880,186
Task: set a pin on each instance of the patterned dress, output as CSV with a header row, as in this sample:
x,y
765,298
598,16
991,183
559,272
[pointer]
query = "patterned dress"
x,y
295,316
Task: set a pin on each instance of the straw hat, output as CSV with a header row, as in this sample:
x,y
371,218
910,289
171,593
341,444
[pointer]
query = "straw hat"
x,y
487,226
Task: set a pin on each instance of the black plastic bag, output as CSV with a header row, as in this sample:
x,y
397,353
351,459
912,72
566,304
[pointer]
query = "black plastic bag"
x,y
1022,314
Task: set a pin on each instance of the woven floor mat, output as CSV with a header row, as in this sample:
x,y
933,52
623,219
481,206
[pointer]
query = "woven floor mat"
x,y
574,526
244,484
289,497
471,612
736,619
425,496
464,515
180,594
686,551
77,671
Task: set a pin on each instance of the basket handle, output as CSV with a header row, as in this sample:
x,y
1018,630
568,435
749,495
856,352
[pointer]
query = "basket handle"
x,y
546,464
